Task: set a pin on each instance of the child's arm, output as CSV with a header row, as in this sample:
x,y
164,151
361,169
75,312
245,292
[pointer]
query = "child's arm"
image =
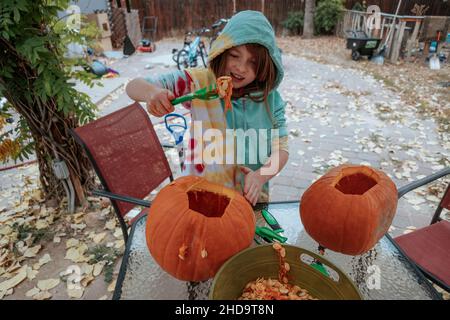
x,y
157,99
254,180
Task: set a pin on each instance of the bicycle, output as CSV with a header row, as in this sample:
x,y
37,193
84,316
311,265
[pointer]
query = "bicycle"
x,y
217,28
192,50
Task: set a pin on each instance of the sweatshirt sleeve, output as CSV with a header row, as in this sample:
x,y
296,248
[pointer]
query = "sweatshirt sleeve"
x,y
279,142
179,82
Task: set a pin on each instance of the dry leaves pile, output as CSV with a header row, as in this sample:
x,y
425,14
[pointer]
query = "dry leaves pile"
x,y
32,237
398,120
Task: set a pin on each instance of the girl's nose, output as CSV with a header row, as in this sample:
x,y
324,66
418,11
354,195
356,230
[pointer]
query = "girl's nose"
x,y
241,69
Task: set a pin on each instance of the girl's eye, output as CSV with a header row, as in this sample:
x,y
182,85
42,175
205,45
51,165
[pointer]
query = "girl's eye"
x,y
233,55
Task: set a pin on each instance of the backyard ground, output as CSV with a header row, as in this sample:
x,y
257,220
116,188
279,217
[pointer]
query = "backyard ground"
x,y
392,117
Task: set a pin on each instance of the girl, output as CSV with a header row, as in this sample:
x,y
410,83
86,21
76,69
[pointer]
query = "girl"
x,y
246,52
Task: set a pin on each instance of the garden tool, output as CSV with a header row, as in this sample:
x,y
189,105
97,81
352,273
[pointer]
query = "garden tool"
x,y
273,234
207,93
177,130
378,57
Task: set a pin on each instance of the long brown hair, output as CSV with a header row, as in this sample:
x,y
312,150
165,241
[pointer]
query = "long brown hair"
x,y
265,72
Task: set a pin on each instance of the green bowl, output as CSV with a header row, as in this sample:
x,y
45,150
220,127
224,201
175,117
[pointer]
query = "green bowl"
x,y
262,261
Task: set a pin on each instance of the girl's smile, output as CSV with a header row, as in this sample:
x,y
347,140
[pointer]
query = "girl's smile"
x,y
240,66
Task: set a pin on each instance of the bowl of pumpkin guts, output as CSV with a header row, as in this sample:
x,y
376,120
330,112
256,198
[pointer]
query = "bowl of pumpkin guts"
x,y
281,272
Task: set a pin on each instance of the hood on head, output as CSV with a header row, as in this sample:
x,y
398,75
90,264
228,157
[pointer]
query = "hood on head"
x,y
248,27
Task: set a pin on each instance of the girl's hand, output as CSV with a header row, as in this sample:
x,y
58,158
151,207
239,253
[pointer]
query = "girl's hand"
x,y
159,102
253,184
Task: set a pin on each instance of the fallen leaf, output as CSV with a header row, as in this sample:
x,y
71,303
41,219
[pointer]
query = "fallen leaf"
x,y
87,280
111,224
14,281
41,224
112,286
32,252
31,274
72,242
43,295
118,233
6,230
48,284
98,267
87,269
32,292
99,237
119,244
45,259
75,293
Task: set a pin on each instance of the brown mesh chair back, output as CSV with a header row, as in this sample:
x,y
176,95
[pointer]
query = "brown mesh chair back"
x,y
126,154
428,247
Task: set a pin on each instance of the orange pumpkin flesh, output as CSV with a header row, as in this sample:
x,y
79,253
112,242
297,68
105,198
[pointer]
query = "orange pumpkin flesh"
x,y
194,226
349,209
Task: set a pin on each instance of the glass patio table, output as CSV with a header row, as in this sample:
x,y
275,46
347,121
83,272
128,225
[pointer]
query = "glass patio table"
x,y
382,273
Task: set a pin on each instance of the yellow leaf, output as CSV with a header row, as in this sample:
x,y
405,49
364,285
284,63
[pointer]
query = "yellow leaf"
x,y
45,259
99,237
112,286
41,224
14,281
87,269
98,267
31,274
44,295
87,280
48,284
32,252
72,243
32,292
6,230
111,224
118,233
119,244
75,293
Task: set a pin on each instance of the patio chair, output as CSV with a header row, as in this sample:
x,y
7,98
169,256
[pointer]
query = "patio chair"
x,y
128,158
429,247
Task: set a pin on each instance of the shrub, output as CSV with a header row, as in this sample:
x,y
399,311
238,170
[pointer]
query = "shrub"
x,y
327,15
294,22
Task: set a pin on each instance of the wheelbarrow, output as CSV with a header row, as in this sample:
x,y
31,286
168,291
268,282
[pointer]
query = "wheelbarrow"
x,y
361,44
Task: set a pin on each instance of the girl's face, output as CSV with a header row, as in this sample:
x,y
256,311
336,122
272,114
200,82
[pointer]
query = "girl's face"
x,y
240,65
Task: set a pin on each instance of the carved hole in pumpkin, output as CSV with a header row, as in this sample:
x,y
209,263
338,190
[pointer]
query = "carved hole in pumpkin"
x,y
357,183
208,203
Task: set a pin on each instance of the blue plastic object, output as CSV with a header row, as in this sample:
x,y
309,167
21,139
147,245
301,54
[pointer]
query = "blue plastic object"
x,y
178,135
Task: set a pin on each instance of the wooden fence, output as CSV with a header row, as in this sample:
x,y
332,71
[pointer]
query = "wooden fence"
x,y
177,16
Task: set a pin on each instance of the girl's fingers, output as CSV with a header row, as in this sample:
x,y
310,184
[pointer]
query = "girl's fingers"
x,y
250,193
247,188
165,103
254,196
161,108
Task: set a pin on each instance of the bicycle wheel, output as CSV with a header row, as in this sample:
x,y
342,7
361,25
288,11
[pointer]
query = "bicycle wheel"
x,y
203,54
183,59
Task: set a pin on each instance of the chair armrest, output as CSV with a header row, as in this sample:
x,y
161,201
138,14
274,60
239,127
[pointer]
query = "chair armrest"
x,y
419,183
165,145
114,196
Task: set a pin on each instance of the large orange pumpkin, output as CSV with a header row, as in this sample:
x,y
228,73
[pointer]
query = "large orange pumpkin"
x,y
194,226
349,208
